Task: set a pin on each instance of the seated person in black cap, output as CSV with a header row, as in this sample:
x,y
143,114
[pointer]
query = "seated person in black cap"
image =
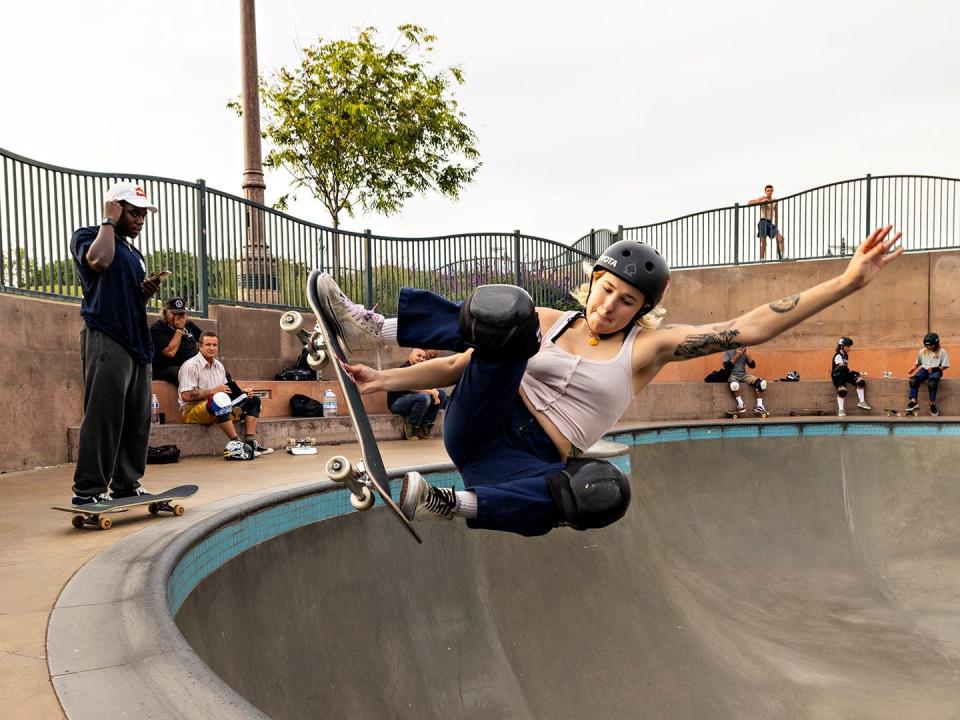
x,y
175,340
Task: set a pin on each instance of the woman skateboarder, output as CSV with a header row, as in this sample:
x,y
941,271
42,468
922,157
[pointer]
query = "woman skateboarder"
x,y
537,386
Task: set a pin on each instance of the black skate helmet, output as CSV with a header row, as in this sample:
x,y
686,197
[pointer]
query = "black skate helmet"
x,y
931,338
639,265
844,341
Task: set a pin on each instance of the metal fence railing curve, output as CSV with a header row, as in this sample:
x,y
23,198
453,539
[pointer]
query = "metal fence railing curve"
x,y
222,248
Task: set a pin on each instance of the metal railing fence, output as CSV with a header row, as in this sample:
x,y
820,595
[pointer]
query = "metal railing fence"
x,y
822,222
225,249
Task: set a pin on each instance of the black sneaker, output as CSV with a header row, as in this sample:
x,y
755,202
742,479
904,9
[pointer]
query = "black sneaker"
x,y
421,501
934,410
89,499
139,491
912,405
259,449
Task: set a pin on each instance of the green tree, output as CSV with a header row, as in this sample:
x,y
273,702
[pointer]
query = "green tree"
x,y
361,126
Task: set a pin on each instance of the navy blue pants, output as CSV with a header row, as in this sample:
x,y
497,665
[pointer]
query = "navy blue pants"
x,y
419,408
501,451
931,377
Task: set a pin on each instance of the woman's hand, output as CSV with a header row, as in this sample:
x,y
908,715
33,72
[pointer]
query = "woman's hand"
x,y
367,379
872,256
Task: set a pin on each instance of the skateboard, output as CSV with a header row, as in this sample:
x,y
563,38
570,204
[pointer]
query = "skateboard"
x,y
303,446
369,477
94,513
802,412
745,412
891,412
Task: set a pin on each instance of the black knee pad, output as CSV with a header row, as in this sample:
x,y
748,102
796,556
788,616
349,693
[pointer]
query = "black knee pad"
x,y
860,382
915,382
500,322
251,406
932,383
590,493
841,392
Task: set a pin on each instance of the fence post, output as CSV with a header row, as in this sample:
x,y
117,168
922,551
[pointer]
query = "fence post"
x,y
866,229
516,258
203,285
368,249
593,243
619,233
736,233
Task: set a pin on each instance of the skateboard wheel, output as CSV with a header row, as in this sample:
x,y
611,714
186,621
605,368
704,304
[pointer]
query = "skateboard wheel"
x,y
77,521
339,468
154,508
364,501
291,441
317,361
291,322
105,523
178,510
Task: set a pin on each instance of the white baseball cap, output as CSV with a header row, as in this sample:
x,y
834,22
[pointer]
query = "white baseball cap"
x,y
131,193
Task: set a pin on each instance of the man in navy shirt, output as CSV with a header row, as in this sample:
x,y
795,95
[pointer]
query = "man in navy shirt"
x,y
115,349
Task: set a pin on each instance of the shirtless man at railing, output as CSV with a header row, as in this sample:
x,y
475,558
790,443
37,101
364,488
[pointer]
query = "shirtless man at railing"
x,y
769,218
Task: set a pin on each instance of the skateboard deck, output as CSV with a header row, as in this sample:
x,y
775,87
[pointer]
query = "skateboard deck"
x,y
92,514
746,413
891,412
372,474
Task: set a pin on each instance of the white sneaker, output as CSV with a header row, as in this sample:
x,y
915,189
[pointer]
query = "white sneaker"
x,y
421,501
863,405
360,328
841,413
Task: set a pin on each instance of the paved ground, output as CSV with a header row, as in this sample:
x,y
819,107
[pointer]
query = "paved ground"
x,y
813,577
40,551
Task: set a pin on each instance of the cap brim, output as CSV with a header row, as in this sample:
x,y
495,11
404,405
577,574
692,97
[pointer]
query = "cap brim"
x,y
141,202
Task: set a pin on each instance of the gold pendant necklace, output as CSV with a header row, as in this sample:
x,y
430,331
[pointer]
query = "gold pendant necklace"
x,y
594,340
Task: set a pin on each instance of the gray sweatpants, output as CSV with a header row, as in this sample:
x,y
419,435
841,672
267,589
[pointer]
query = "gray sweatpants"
x,y
116,417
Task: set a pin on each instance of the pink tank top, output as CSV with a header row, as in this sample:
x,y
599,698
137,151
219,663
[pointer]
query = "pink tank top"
x,y
582,397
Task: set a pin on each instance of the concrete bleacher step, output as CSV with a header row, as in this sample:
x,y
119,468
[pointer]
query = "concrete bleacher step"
x,y
196,440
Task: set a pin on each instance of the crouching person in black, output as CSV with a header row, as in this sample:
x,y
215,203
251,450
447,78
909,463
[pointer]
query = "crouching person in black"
x,y
175,340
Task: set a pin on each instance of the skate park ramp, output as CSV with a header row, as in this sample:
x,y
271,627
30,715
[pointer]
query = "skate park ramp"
x,y
756,577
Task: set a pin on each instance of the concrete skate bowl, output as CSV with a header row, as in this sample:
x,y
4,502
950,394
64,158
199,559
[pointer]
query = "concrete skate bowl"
x,y
763,571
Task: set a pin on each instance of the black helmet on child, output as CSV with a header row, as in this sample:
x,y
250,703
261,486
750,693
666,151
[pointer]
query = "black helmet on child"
x,y
845,341
639,265
931,338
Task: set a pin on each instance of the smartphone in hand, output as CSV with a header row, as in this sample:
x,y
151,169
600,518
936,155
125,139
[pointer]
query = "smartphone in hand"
x,y
161,275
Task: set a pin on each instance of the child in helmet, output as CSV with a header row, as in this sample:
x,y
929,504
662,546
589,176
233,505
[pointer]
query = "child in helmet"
x,y
535,387
932,360
842,375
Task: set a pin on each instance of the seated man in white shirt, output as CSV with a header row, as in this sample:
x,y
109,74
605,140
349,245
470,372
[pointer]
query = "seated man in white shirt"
x,y
206,397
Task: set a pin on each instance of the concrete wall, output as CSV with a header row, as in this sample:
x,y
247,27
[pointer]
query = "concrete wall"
x,y
41,382
40,360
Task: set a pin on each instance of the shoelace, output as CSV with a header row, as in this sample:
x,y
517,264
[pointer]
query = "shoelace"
x,y
441,501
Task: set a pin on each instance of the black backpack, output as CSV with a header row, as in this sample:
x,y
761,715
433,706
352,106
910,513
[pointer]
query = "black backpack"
x,y
163,454
303,406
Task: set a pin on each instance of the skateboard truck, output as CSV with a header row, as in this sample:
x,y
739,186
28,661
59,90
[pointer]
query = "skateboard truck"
x,y
355,477
292,322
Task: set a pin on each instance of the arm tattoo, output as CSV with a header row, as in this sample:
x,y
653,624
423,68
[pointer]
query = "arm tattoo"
x,y
706,344
786,304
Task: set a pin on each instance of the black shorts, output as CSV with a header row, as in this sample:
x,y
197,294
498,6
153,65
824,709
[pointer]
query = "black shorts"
x,y
844,376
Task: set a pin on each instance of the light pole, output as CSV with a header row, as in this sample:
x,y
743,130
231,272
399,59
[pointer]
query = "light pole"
x,y
257,269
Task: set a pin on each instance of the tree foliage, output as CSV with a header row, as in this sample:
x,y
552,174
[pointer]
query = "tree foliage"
x,y
361,126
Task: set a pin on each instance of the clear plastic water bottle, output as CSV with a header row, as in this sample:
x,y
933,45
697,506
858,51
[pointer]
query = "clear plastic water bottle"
x,y
329,403
154,410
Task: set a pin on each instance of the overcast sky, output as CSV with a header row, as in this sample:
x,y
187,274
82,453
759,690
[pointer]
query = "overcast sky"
x,y
611,113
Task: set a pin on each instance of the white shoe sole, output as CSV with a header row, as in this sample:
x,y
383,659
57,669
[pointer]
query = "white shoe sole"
x,y
410,493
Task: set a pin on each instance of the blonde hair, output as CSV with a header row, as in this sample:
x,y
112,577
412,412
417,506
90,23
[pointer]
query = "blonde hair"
x,y
650,321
